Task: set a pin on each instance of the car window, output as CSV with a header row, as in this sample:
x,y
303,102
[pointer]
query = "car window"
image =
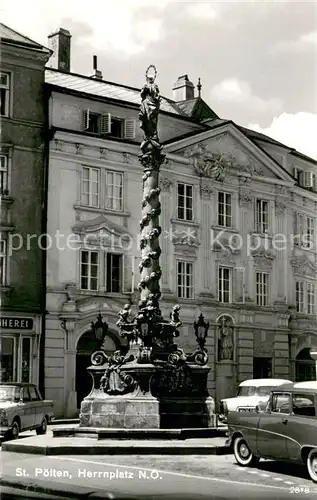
x,y
33,394
281,403
304,405
26,395
246,391
264,391
38,394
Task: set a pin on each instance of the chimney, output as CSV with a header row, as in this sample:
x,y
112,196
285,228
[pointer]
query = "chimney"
x,y
183,89
97,74
59,42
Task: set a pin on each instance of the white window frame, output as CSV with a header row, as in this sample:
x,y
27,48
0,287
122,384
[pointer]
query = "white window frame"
x,y
262,208
300,296
20,357
113,202
5,88
90,182
262,289
185,291
224,209
121,271
222,290
4,174
3,262
309,233
186,197
89,277
311,298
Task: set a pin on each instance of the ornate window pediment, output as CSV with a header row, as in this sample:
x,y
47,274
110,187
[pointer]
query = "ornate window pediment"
x,y
104,232
303,266
263,257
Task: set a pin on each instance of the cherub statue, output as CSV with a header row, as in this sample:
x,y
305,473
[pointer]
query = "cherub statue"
x,y
124,315
175,316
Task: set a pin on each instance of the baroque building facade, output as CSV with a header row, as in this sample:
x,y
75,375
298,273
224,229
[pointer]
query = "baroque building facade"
x,y
22,173
238,233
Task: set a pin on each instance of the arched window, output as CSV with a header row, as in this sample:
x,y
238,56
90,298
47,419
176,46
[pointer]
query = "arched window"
x,y
225,337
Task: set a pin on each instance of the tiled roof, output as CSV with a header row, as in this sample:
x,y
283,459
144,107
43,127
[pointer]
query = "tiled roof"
x,y
197,109
9,35
101,88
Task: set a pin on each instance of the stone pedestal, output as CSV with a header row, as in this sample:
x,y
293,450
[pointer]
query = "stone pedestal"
x,y
163,398
135,410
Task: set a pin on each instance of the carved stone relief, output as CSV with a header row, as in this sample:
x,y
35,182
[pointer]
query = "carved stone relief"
x,y
303,266
279,207
263,257
165,183
245,199
205,191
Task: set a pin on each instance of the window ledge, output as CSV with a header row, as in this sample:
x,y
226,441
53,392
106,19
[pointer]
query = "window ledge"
x,y
186,222
225,228
261,235
105,211
100,293
6,198
5,290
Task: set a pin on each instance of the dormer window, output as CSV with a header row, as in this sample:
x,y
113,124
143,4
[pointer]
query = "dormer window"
x,y
108,125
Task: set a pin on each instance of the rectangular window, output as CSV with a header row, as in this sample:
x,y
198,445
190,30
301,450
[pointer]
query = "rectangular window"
x,y
89,270
262,216
114,272
224,284
184,202
93,122
3,174
117,127
4,94
90,186
262,368
309,233
26,360
114,191
300,296
262,289
224,209
3,263
304,405
311,298
8,367
185,280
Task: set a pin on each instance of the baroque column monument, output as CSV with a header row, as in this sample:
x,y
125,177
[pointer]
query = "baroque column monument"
x,y
159,386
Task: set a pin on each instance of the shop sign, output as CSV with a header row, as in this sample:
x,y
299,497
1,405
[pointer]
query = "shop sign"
x,y
16,323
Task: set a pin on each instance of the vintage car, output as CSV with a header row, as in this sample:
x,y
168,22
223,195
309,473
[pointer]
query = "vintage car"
x,y
285,431
251,393
22,408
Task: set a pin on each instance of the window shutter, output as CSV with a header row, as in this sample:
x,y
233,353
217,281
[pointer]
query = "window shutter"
x,y
308,179
126,274
86,119
105,124
238,284
129,129
295,173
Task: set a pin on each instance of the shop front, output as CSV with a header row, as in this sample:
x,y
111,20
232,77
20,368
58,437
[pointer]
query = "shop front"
x,y
19,349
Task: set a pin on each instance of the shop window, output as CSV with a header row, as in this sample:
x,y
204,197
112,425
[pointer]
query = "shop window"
x,y
7,359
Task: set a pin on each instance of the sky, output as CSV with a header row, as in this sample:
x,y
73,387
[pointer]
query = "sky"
x,y
257,60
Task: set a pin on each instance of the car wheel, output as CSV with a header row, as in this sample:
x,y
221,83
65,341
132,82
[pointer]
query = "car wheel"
x,y
15,430
312,465
43,429
243,454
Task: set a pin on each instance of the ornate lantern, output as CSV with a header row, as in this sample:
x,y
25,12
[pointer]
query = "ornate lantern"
x,y
201,330
99,329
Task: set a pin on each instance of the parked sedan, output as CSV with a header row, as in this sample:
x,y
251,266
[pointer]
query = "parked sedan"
x,y
286,430
22,408
251,393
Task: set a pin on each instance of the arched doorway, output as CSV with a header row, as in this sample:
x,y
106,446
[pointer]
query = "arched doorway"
x,y
87,344
305,366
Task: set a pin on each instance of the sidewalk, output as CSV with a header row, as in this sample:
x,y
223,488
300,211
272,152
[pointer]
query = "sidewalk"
x,y
49,445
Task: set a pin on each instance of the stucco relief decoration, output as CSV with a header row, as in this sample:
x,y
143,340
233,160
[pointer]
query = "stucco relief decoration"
x,y
225,338
210,164
245,198
103,153
79,148
126,157
263,257
165,184
279,207
304,266
205,191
